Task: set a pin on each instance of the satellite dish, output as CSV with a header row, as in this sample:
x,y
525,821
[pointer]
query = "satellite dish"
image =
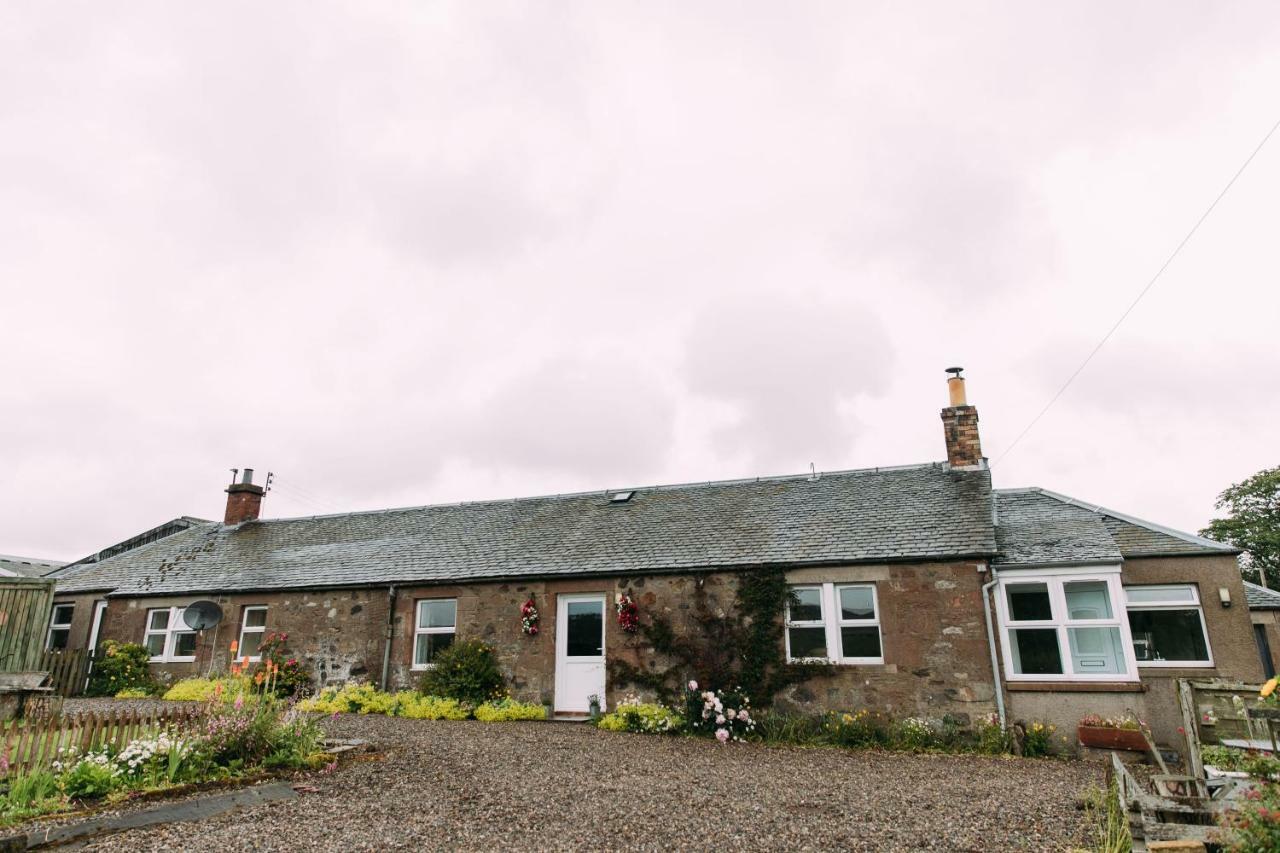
x,y
200,615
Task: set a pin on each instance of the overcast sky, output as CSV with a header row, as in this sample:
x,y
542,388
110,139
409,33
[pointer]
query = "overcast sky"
x,y
429,252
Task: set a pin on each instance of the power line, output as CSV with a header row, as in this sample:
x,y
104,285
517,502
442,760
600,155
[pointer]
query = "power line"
x,y
1142,293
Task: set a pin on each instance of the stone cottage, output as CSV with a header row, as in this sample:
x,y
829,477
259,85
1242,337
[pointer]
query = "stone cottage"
x,y
929,592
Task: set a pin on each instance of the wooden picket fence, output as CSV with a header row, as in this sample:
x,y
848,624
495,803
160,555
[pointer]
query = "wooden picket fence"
x,y
35,742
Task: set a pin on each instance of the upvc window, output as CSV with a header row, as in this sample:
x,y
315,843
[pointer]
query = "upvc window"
x,y
1064,627
167,636
253,626
839,623
60,626
434,629
1167,624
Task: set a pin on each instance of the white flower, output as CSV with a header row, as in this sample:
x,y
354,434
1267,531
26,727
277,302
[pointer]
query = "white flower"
x,y
731,713
693,685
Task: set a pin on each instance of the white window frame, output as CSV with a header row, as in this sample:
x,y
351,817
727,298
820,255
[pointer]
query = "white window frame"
x,y
60,626
1191,604
419,630
246,628
831,623
170,633
1054,581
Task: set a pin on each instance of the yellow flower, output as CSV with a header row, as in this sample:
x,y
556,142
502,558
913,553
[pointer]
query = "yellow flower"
x,y
1269,688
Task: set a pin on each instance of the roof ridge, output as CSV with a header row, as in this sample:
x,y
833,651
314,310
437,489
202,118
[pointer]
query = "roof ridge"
x,y
1131,519
777,478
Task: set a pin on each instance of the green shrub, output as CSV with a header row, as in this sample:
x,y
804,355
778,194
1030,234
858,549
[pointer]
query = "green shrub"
x,y
206,689
640,717
506,710
288,676
859,729
30,794
418,707
467,671
92,777
778,727
1254,825
913,734
367,699
1037,740
991,738
123,666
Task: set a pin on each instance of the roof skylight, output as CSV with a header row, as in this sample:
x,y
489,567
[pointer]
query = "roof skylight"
x,y
620,497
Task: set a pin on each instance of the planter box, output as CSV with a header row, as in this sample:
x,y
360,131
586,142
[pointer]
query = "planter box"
x,y
1103,737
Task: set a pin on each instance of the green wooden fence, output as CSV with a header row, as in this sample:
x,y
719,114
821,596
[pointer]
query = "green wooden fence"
x,y
25,607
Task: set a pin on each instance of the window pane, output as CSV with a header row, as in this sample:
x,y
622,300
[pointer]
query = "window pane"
x,y
58,638
585,630
808,642
437,613
807,605
1096,650
1088,600
1183,594
860,642
159,620
427,646
255,617
1173,635
184,644
1035,651
155,644
857,602
249,643
1029,602
62,614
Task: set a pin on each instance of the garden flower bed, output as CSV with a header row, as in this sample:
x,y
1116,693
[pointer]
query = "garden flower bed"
x,y
229,739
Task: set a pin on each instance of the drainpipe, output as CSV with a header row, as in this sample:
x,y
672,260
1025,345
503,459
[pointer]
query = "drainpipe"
x,y
991,643
388,633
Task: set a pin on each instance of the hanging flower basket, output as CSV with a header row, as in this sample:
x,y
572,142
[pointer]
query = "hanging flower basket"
x,y
628,612
529,618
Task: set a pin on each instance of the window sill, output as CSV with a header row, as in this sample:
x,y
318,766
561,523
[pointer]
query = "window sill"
x,y
1075,686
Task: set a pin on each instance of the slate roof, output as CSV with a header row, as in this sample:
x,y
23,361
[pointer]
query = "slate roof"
x,y
1040,527
872,515
27,567
1261,598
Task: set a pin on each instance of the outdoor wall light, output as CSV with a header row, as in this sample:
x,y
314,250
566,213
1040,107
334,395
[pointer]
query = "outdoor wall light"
x,y
1224,595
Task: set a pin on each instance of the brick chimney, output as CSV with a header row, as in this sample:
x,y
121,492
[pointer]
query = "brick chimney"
x,y
960,425
244,499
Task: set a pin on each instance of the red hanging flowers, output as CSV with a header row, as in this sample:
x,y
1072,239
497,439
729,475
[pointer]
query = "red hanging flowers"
x,y
628,612
529,618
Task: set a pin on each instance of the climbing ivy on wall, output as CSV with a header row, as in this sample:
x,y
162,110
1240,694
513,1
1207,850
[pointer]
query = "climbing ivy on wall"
x,y
742,648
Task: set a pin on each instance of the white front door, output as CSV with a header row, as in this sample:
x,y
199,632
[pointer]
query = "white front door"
x,y
579,652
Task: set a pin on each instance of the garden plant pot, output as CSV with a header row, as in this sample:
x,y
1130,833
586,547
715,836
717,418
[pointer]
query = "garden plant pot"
x,y
1105,737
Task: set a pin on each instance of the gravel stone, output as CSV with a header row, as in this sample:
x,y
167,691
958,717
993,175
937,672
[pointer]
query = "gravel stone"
x,y
567,786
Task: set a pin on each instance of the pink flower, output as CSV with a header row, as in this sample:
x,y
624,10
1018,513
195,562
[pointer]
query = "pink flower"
x,y
693,685
722,735
239,701
742,715
719,719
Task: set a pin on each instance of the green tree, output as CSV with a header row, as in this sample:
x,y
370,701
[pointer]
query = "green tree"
x,y
1252,524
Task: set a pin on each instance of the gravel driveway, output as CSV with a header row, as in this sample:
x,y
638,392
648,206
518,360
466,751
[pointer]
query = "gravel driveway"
x,y
468,785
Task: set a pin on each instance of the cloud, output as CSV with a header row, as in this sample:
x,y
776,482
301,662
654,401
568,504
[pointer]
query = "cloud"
x,y
794,369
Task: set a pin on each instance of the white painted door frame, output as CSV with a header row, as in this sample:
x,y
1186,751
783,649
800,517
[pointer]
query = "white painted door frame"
x,y
582,675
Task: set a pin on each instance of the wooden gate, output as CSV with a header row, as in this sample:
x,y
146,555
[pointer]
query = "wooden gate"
x,y
26,605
